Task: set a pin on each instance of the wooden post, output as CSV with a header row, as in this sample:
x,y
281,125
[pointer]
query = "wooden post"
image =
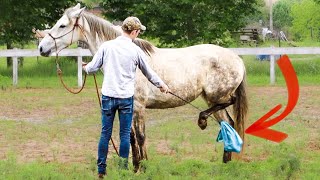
x,y
79,70
272,70
271,15
15,71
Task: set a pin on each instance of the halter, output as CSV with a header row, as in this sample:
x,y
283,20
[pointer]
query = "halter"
x,y
76,24
59,71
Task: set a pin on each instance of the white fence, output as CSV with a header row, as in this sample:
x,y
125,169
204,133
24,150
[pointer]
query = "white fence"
x,y
15,53
272,51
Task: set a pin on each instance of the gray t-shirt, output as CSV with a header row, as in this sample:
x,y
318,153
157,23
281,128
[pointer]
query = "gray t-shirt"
x,y
119,59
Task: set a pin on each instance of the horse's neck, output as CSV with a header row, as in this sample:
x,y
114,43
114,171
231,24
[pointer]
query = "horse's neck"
x,y
98,30
95,36
93,43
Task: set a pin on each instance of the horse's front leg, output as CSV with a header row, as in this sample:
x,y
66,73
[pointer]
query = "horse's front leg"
x,y
138,137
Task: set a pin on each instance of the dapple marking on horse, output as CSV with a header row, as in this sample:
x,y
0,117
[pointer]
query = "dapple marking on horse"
x,y
215,73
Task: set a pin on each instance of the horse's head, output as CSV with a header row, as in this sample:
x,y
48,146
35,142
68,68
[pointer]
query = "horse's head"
x,y
66,31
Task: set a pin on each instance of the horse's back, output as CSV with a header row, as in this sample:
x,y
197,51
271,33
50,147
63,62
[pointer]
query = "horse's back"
x,y
190,71
203,57
201,50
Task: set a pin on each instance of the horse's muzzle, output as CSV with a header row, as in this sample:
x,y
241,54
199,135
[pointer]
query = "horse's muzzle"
x,y
42,53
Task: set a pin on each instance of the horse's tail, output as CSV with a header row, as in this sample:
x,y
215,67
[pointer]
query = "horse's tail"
x,y
240,107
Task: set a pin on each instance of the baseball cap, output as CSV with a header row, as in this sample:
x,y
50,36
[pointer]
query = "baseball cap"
x,y
132,23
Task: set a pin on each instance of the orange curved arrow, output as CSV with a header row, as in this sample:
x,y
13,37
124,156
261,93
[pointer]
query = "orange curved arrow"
x,y
260,127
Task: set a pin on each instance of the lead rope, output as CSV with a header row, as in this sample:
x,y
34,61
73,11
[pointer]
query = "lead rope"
x,y
59,71
98,95
190,103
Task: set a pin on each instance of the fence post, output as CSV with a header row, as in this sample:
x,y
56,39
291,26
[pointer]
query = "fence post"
x,y
79,69
272,70
15,70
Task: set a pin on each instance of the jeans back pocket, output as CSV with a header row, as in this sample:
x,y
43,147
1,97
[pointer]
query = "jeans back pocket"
x,y
126,105
106,105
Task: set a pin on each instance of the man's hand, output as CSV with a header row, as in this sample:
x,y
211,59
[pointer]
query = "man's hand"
x,y
84,66
164,88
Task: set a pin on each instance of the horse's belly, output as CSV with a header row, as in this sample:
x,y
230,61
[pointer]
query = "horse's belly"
x,y
164,103
160,100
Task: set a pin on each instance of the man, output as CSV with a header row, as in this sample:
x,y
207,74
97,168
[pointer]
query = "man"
x,y
119,59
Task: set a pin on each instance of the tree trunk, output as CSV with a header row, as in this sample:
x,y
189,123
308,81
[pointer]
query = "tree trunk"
x,y
9,59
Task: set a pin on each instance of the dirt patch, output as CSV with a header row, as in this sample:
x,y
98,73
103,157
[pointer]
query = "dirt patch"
x,y
38,105
55,151
314,146
163,148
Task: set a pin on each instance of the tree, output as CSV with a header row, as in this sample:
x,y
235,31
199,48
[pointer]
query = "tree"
x,y
306,20
18,17
261,15
281,14
184,22
91,3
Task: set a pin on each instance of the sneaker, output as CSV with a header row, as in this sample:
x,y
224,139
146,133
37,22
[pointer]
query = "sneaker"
x,y
101,175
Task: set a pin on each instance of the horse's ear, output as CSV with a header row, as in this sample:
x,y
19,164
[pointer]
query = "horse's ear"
x,y
77,12
77,6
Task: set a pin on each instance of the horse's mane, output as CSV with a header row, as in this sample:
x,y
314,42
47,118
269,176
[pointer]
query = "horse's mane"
x,y
145,45
106,31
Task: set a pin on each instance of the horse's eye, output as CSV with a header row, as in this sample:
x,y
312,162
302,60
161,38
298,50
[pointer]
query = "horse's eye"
x,y
62,26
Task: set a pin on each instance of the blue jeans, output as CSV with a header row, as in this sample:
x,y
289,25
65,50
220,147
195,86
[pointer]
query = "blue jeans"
x,y
108,110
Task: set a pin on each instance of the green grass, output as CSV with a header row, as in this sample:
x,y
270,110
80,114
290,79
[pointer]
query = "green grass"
x,y
285,160
62,144
307,71
11,169
285,167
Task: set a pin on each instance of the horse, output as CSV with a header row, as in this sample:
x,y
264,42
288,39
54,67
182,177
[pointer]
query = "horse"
x,y
215,73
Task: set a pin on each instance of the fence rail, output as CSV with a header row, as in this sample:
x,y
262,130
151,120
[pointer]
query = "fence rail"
x,y
79,52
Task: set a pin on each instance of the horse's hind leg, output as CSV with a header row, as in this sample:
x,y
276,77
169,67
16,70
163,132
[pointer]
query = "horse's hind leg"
x,y
203,116
138,137
220,113
227,155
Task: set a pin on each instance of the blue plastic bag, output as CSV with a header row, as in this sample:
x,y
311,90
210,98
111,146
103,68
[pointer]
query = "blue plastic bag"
x,y
230,137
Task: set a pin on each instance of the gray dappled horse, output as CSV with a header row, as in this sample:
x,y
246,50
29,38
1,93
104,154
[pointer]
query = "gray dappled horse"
x,y
215,73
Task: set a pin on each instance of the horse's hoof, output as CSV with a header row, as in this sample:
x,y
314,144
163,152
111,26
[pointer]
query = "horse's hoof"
x,y
202,123
226,156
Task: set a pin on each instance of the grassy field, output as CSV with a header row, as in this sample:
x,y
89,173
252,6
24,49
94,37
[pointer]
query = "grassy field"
x,y
53,132
47,133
